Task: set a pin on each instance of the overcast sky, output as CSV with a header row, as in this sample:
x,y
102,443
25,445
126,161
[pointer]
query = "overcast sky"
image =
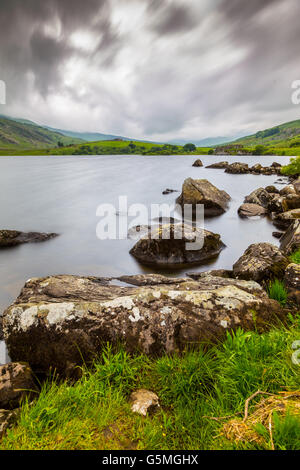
x,y
155,69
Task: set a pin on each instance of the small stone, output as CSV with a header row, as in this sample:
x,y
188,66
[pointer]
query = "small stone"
x,y
198,163
7,419
143,401
16,382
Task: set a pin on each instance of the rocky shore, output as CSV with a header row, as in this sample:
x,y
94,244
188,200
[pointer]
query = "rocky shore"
x,y
58,323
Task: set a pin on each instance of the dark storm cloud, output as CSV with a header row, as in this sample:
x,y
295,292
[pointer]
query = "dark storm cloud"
x,y
29,46
154,67
172,19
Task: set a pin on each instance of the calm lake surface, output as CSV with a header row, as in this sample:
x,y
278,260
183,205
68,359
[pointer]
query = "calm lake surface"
x,y
61,194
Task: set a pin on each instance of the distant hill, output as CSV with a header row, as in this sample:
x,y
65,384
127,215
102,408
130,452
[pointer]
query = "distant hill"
x,y
284,135
18,134
209,142
88,136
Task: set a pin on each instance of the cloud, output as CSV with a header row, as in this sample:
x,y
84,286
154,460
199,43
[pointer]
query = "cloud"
x,y
151,68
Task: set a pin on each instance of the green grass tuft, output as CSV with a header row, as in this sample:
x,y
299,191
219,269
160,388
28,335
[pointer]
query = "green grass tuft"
x,y
277,291
295,257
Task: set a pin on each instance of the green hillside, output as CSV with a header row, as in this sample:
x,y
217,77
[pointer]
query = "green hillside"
x,y
18,136
284,136
118,147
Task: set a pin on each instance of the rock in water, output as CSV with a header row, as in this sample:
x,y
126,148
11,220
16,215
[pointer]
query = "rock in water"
x,y
290,241
285,219
195,192
198,163
260,197
168,245
58,322
251,210
237,168
16,383
218,165
143,401
261,262
13,238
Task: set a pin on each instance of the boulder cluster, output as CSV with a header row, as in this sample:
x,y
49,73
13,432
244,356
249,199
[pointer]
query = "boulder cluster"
x,y
238,168
60,322
282,206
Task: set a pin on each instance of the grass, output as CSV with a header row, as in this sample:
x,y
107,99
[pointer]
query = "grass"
x,y
295,257
277,291
95,412
293,168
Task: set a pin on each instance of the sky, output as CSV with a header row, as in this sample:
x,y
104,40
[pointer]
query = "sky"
x,y
154,69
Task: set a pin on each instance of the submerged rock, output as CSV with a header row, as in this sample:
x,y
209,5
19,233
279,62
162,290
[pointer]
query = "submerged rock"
x,y
198,163
251,210
278,235
290,241
168,245
58,322
10,238
214,200
169,191
218,165
16,383
261,262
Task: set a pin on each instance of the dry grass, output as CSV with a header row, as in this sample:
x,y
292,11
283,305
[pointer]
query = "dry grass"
x,y
246,429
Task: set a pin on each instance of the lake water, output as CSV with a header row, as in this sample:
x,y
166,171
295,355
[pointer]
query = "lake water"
x,y
61,194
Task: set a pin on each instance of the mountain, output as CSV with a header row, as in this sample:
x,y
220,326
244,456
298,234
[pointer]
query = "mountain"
x,y
284,135
88,136
209,142
18,134
97,136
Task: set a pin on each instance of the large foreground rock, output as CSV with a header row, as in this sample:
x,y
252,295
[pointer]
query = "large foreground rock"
x,y
168,245
61,321
195,192
16,383
261,262
13,237
290,241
